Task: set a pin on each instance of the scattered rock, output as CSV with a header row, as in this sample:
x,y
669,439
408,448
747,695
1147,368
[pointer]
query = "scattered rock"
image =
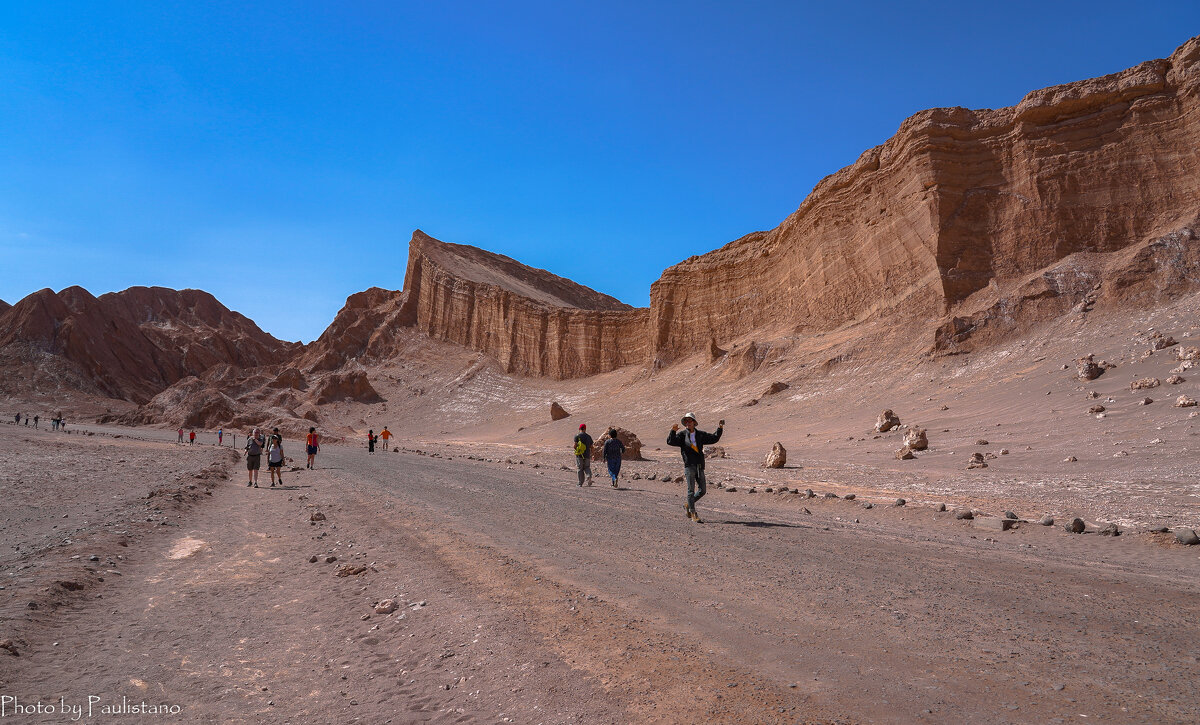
x,y
1191,354
901,502
330,559
1096,409
1175,380
1187,537
1110,530
940,507
808,493
1092,395
849,497
387,606
1011,515
1046,520
731,489
830,494
557,412
1145,401
318,516
777,457
1076,526
1070,459
982,442
945,407
916,439
976,461
887,421
964,514
1004,451
1145,384
312,559
905,454
1184,401
349,570
868,505
715,452
776,387
1087,369
8,646
1120,454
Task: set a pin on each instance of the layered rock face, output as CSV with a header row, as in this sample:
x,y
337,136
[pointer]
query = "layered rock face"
x,y
533,322
132,344
957,200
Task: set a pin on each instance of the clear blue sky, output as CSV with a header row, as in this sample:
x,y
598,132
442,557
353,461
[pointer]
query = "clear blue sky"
x,y
280,154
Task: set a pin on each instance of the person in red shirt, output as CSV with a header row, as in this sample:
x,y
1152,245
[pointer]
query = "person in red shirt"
x,y
312,444
192,437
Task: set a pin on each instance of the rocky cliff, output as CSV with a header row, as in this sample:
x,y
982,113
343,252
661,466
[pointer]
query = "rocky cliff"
x,y
130,344
956,202
533,322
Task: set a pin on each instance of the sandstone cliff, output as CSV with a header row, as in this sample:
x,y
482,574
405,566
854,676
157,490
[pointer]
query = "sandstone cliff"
x,y
130,344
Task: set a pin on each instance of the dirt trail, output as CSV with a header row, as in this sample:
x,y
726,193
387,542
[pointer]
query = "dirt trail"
x,y
525,598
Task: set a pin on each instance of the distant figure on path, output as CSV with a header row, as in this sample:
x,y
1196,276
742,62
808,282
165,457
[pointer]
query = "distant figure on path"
x,y
27,420
691,444
312,444
613,450
17,420
583,454
180,431
254,449
371,441
220,435
192,437
386,435
35,420
275,457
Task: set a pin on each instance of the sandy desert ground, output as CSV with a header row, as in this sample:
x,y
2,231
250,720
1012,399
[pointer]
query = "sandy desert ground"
x,y
151,573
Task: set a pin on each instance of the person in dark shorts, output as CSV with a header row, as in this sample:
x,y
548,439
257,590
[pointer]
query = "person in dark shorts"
x,y
254,450
371,441
275,457
312,444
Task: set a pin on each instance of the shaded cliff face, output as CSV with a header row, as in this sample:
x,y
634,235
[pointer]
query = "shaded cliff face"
x,y
130,344
533,322
957,200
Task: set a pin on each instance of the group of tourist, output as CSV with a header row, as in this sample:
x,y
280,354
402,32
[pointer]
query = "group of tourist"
x,y
56,423
690,441
258,445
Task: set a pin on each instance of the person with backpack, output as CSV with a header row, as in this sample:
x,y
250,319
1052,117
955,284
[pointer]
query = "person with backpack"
x,y
371,441
583,454
275,457
254,449
312,444
691,444
613,450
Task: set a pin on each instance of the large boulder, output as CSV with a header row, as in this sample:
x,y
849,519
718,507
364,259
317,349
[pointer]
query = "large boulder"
x,y
557,412
351,385
916,439
1185,401
777,457
775,387
887,420
633,446
1086,368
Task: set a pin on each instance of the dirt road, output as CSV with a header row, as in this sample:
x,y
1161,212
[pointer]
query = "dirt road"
x,y
524,598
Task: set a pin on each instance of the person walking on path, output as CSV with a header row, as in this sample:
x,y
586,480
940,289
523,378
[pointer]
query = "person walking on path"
x,y
312,444
386,435
220,435
691,444
371,441
613,450
583,454
275,457
254,449
35,420
192,437
180,431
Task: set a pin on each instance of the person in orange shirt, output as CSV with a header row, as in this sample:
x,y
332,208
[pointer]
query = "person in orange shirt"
x,y
312,444
386,435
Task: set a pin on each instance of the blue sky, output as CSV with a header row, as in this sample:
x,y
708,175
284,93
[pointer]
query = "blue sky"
x,y
279,155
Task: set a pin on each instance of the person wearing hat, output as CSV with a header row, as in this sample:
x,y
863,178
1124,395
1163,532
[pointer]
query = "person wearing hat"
x,y
583,454
691,444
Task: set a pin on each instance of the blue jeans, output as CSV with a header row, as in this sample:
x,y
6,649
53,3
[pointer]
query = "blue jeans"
x,y
695,480
614,468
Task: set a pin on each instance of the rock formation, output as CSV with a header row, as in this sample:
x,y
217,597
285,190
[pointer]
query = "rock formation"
x,y
633,446
916,439
557,412
777,457
887,420
130,344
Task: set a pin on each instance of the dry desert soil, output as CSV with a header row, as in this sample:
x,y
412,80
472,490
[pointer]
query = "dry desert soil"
x,y
145,574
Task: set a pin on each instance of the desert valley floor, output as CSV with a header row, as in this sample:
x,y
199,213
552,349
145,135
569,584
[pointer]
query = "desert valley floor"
x,y
138,568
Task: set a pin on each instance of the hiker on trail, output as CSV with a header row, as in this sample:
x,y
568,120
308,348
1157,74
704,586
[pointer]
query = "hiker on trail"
x,y
220,435
691,444
180,431
275,457
371,441
386,435
17,420
35,420
192,436
254,449
613,450
583,454
27,420
312,444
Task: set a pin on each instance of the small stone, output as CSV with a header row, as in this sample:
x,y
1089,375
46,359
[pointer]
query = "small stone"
x,y
1187,537
312,559
731,489
318,516
1046,520
940,507
1145,401
1185,401
1011,515
868,505
557,412
849,497
769,489
753,489
829,494
1004,451
387,606
808,493
1175,380
964,514
1110,530
1120,454
905,454
1144,384
901,502
1077,526
981,442
330,559
1070,459
1095,409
